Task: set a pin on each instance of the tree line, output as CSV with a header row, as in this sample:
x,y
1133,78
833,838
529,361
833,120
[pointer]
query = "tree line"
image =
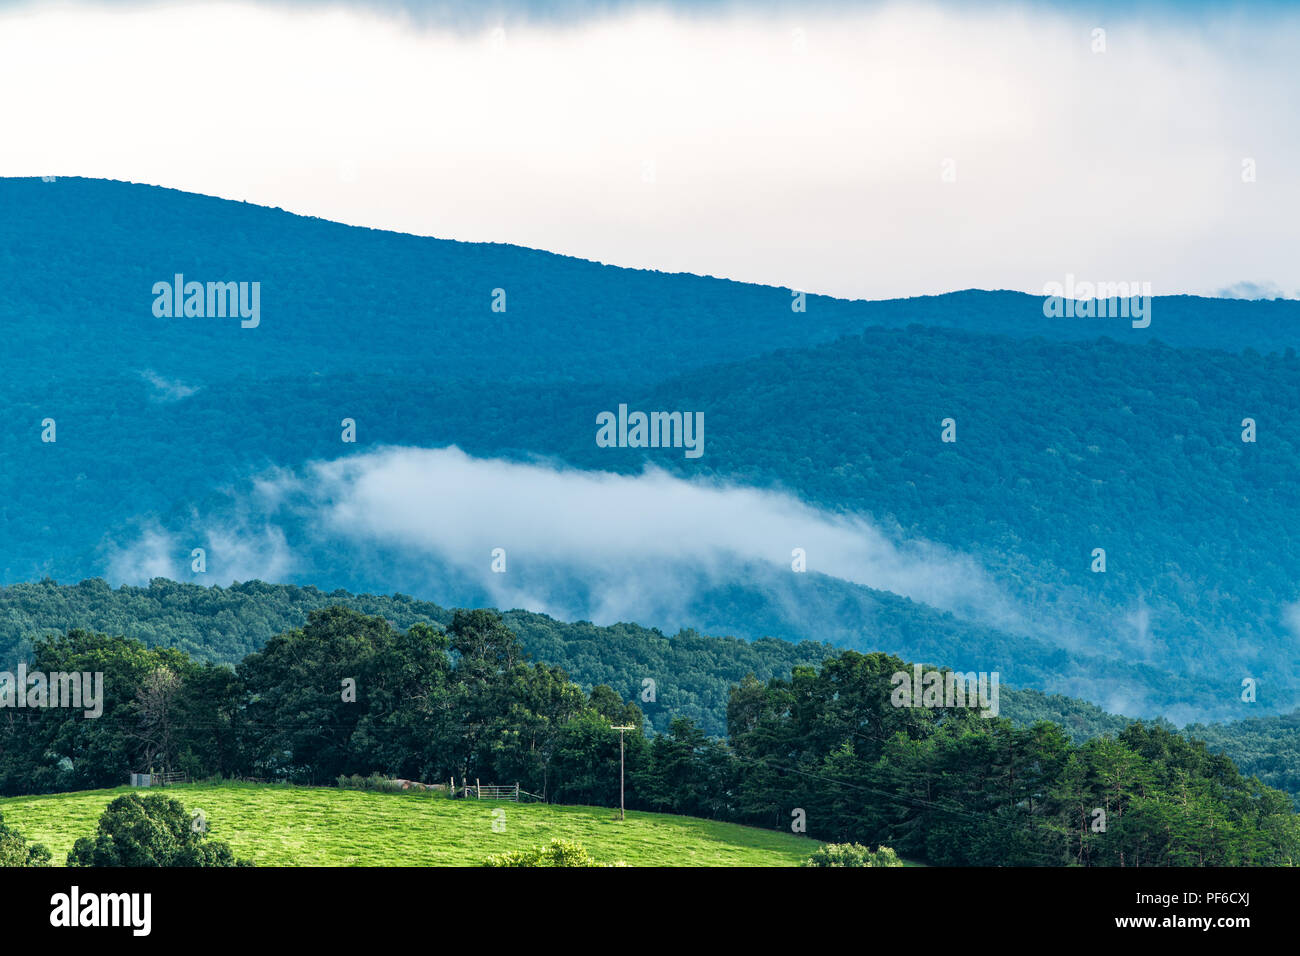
x,y
824,751
694,672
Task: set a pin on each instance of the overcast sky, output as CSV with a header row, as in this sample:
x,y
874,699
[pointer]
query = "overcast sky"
x,y
863,150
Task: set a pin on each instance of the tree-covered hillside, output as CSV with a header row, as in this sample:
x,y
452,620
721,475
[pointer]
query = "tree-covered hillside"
x,y
1061,448
1065,443
692,673
84,254
832,747
1267,747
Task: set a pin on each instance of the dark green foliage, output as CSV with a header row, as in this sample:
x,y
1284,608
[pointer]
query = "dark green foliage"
x,y
827,746
428,705
1265,747
150,830
16,851
146,693
693,673
1080,719
955,788
687,772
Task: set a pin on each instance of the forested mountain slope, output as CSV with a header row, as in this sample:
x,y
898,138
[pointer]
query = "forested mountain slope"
x,y
1066,442
692,673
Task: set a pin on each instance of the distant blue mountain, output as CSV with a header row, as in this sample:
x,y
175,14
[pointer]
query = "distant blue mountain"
x,y
1075,433
80,258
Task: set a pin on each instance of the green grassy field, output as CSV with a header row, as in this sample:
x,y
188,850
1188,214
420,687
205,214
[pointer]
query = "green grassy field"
x,y
319,826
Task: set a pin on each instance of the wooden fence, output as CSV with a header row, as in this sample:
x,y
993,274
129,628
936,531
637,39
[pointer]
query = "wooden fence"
x,y
157,779
489,791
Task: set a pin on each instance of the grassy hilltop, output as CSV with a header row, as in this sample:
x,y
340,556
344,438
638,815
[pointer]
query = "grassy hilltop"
x,y
276,825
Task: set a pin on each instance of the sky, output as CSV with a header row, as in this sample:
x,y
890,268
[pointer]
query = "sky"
x,y
864,150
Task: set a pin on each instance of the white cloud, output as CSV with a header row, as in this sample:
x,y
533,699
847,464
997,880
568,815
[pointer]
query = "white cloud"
x,y
1291,618
1254,290
579,544
1139,619
166,389
622,534
233,551
153,554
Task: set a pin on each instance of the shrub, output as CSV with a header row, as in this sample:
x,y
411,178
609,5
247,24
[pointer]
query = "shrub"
x,y
15,850
852,854
555,853
149,831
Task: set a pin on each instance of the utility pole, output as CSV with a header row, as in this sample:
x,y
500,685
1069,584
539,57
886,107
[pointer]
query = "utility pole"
x,y
621,812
